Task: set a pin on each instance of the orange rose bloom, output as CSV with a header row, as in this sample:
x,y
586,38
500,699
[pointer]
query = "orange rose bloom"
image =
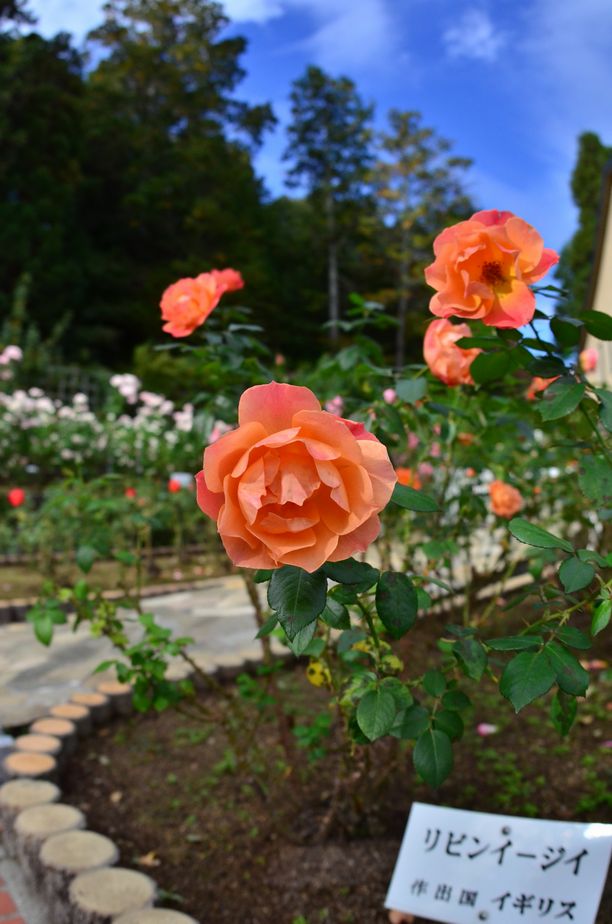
x,y
408,478
505,500
446,361
187,303
294,485
484,267
538,384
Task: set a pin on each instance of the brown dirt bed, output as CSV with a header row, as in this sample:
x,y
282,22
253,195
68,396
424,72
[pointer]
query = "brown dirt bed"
x,y
228,844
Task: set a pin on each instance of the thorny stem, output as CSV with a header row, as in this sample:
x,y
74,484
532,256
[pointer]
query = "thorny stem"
x,y
595,430
368,618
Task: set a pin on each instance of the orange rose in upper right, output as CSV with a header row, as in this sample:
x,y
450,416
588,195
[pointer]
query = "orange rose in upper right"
x,y
484,267
445,359
187,303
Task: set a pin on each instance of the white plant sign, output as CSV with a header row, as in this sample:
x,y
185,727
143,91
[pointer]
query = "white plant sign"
x,y
463,867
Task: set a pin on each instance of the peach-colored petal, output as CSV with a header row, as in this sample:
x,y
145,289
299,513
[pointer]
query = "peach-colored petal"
x,y
514,309
209,503
274,405
548,259
222,456
357,541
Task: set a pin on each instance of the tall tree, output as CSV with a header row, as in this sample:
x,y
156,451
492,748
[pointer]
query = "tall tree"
x,y
419,187
574,268
170,193
41,96
329,146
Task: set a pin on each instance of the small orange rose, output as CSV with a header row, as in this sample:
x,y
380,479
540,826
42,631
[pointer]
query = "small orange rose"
x,y
483,268
505,500
187,303
445,359
408,478
538,384
294,485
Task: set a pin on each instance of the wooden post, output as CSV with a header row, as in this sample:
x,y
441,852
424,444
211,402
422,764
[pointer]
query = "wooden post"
x,y
18,795
57,728
98,704
155,916
39,744
120,695
34,825
98,897
80,715
64,856
20,764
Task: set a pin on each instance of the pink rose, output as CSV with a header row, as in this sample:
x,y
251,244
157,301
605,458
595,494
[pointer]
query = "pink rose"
x,y
588,359
389,395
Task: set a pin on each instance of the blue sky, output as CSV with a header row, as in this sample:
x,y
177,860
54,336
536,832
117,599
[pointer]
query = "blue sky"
x,y
511,82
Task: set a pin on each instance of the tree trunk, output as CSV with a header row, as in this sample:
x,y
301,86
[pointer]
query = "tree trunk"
x,y
402,306
333,294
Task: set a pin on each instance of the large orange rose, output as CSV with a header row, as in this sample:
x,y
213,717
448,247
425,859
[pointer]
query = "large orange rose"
x,y
505,500
448,362
187,303
294,485
484,267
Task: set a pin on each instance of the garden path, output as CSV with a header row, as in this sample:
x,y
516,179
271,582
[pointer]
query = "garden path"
x,y
218,616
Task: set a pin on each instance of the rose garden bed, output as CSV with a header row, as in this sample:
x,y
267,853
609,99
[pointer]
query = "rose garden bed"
x,y
245,833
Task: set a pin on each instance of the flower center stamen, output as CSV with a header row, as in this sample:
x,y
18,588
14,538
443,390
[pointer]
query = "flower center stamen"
x,y
492,273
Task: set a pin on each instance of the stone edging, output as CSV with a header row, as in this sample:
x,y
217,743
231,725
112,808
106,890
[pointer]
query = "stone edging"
x,y
71,869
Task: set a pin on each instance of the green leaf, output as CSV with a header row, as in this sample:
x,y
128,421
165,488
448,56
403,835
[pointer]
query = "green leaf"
x,y
376,713
598,324
569,673
573,637
534,535
563,710
411,390
396,603
595,479
566,398
126,558
601,616
546,367
433,757
575,574
85,557
471,656
457,700
450,722
489,367
268,626
410,499
43,627
302,639
605,413
336,615
411,723
315,648
434,683
349,638
297,597
526,676
567,331
399,691
351,571
515,643
262,575
482,343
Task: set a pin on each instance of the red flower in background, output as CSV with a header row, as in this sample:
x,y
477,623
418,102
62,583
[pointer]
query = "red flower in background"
x,y
174,486
130,492
16,497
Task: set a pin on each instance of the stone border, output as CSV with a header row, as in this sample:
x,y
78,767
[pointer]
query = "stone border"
x,y
71,869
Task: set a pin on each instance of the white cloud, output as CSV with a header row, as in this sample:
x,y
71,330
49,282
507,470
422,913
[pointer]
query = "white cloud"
x,y
74,16
474,36
351,33
258,11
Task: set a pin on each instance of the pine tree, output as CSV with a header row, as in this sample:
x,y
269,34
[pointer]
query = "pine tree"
x,y
419,188
574,268
329,146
